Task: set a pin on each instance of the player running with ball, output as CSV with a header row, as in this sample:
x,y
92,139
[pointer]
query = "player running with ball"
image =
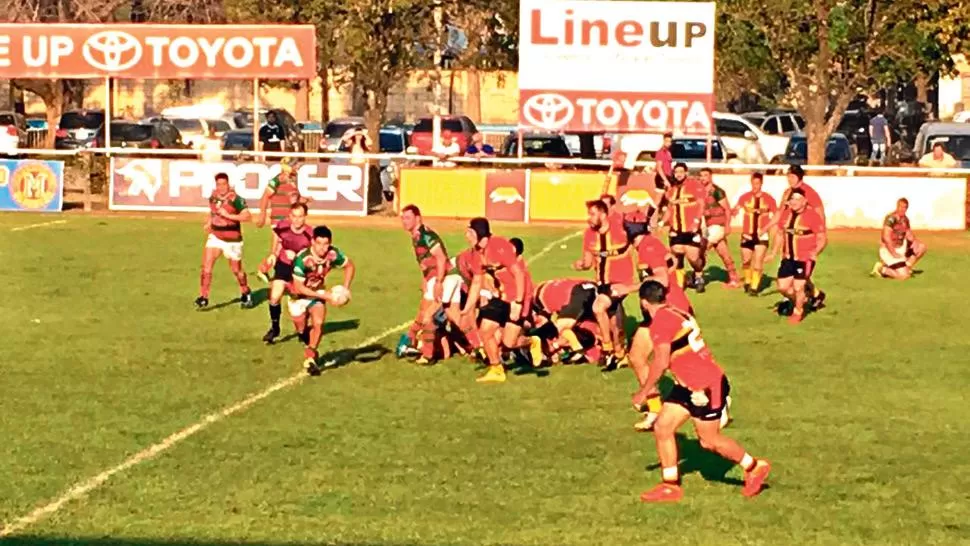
x,y
309,296
699,394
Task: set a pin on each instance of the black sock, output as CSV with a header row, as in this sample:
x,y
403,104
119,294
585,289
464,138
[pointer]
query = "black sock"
x,y
305,336
275,310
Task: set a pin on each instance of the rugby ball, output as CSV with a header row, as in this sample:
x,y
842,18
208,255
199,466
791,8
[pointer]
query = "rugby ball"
x,y
339,295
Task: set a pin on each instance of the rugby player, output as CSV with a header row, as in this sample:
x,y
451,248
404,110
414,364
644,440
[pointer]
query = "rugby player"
x,y
558,305
699,394
899,249
439,279
310,269
607,250
758,208
796,180
801,230
717,222
684,214
227,212
461,310
510,306
291,237
281,193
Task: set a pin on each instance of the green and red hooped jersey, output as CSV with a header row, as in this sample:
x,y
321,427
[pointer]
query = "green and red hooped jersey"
x,y
424,242
223,228
313,269
714,213
284,195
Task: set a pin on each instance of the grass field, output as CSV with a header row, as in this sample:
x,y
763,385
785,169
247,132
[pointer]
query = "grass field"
x,y
862,409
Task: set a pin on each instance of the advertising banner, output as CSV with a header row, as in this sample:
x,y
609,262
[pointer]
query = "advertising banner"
x,y
506,195
31,185
616,66
158,51
184,185
444,193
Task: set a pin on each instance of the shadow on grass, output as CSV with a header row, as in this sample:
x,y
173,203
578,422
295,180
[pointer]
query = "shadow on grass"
x,y
343,357
35,540
328,328
693,458
260,295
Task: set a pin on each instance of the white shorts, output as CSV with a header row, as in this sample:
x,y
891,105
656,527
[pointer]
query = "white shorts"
x,y
232,251
451,289
715,234
299,306
887,258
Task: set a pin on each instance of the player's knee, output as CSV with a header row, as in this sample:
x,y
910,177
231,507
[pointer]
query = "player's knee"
x,y
664,429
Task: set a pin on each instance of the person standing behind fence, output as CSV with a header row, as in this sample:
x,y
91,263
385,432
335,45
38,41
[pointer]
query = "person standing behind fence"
x,y
880,137
478,148
211,147
272,135
358,142
938,158
445,149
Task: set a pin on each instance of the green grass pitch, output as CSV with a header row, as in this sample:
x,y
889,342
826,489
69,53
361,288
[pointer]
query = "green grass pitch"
x,y
863,409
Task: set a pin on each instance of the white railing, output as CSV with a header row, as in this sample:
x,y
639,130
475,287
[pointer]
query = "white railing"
x,y
848,170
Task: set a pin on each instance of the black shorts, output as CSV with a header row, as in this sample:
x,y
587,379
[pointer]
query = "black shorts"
x,y
685,239
680,395
615,302
282,271
750,242
497,311
580,304
802,271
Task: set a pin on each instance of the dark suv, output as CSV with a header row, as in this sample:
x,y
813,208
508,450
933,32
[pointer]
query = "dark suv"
x,y
77,129
161,135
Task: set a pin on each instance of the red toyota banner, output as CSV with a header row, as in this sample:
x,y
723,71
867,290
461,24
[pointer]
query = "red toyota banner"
x,y
185,185
158,51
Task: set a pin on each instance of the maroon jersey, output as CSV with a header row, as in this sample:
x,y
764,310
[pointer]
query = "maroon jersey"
x,y
292,241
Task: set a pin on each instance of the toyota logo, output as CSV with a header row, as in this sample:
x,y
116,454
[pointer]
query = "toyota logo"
x,y
548,111
112,51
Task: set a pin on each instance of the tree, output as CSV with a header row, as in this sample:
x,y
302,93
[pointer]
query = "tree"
x,y
829,49
52,91
384,40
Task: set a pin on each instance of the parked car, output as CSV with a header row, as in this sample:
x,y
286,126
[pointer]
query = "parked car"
x,y
602,144
161,135
77,129
393,139
955,138
194,130
776,122
13,133
536,145
460,126
747,140
838,150
36,124
310,126
237,140
693,149
335,130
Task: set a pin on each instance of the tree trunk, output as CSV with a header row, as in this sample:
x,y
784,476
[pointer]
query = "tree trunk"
x,y
376,107
53,103
325,95
303,100
473,99
922,84
815,128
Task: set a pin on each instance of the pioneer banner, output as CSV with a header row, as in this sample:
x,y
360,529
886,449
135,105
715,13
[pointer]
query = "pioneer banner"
x,y
184,185
158,51
616,66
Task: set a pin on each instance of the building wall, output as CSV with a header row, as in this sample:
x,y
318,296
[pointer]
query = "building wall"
x,y
135,99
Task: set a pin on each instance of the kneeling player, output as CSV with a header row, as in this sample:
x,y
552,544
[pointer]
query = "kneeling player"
x,y
803,236
309,297
227,212
900,249
699,395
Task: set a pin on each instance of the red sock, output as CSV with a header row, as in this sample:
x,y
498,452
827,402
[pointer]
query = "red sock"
x,y
427,341
413,330
206,283
471,334
242,280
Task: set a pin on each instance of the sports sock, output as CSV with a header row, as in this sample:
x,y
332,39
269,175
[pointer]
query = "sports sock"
x,y
572,340
756,279
427,341
206,283
748,274
275,310
670,474
654,404
748,462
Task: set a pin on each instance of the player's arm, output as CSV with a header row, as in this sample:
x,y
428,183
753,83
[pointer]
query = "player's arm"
x,y
658,274
887,239
441,269
474,293
264,204
661,361
242,216
776,241
585,262
349,271
728,212
821,241
300,287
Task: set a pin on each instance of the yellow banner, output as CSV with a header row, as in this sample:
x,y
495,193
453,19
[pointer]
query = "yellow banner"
x,y
444,193
562,195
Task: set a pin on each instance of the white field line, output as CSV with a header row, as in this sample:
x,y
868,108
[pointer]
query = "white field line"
x,y
82,488
40,225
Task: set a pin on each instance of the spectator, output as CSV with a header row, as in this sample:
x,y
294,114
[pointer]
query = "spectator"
x,y
358,142
938,158
272,135
880,137
211,146
478,148
664,162
446,148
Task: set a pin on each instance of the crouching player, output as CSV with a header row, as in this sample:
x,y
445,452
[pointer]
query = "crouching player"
x,y
900,250
699,395
557,307
308,296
